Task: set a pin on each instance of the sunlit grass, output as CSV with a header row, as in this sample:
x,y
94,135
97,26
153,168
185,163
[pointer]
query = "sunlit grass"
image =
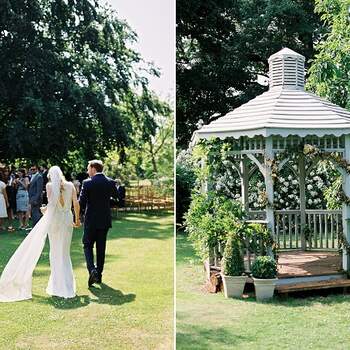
x,y
209,321
132,309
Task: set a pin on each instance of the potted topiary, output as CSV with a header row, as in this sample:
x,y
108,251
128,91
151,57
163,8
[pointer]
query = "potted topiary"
x,y
232,268
264,272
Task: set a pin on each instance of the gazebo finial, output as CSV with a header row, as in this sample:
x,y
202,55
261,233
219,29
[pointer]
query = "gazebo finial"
x,y
286,69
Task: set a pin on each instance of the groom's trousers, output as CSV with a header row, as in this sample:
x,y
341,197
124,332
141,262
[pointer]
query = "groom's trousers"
x,y
35,213
90,237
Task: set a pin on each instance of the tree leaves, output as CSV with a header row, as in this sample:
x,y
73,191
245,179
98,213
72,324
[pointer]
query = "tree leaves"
x,y
67,74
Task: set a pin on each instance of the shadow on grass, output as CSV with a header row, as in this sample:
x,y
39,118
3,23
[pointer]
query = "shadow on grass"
x,y
104,294
208,338
110,296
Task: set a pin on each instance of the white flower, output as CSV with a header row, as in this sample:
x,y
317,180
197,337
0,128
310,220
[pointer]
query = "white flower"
x,y
290,177
284,189
312,173
309,187
310,201
295,182
286,183
281,179
281,201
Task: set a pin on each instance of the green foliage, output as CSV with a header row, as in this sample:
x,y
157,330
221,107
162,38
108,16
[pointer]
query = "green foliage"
x,y
264,267
70,82
233,262
223,46
209,220
260,239
332,194
329,74
185,181
150,159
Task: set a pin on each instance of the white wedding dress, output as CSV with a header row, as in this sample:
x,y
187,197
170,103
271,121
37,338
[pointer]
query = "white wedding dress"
x,y
57,223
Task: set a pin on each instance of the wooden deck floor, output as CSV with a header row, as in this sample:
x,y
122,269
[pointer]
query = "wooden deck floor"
x,y
300,263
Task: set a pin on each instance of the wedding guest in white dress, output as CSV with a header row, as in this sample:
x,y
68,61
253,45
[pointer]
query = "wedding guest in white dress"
x,y
3,203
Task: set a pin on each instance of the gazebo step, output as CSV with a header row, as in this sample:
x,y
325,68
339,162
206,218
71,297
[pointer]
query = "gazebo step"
x,y
305,286
314,278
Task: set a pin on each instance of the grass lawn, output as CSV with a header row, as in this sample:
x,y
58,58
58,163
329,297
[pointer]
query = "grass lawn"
x,y
132,309
209,321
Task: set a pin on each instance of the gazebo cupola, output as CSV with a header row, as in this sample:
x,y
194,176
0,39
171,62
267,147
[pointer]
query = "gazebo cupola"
x,y
280,118
286,70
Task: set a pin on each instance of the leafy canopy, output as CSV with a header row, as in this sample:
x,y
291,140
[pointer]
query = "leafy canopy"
x,y
69,81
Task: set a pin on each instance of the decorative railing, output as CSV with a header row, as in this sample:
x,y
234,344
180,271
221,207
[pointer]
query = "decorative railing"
x,y
322,229
253,245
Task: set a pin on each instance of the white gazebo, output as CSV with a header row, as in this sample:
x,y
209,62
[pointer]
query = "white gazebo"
x,y
283,117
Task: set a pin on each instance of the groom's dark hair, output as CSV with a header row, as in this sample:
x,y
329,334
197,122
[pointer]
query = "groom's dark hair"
x,y
97,164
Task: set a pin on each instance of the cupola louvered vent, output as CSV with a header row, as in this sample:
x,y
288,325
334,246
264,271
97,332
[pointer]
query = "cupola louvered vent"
x,y
286,69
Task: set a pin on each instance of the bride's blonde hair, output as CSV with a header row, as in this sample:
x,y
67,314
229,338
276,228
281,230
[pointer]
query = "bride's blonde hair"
x,y
57,169
57,179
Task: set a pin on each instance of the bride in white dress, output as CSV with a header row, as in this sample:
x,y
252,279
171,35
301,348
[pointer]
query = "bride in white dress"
x,y
57,223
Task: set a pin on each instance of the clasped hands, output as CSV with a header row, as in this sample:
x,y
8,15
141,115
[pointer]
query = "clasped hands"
x,y
77,224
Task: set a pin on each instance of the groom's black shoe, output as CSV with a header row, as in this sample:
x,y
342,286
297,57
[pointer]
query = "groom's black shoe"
x,y
93,278
99,279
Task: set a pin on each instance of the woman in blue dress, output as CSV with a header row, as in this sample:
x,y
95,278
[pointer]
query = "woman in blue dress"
x,y
22,198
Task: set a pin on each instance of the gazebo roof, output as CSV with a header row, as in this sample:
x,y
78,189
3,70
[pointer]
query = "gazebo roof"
x,y
285,109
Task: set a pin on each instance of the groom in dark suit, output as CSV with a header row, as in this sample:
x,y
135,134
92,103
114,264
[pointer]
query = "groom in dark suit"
x,y
94,200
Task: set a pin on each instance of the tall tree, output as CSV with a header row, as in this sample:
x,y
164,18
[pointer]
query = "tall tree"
x,y
329,74
222,47
67,72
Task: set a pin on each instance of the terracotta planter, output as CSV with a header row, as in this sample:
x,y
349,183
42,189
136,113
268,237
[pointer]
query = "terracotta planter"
x,y
264,288
233,285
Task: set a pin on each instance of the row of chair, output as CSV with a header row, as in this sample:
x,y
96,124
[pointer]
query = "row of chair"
x,y
143,198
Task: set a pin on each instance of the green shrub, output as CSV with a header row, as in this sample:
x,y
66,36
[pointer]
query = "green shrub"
x,y
209,220
233,261
185,182
264,267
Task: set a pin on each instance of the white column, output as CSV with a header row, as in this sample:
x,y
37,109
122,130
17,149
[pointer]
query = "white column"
x,y
244,183
269,155
302,176
346,208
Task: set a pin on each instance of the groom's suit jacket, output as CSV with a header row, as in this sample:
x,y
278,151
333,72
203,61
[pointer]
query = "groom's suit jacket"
x,y
95,199
35,190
